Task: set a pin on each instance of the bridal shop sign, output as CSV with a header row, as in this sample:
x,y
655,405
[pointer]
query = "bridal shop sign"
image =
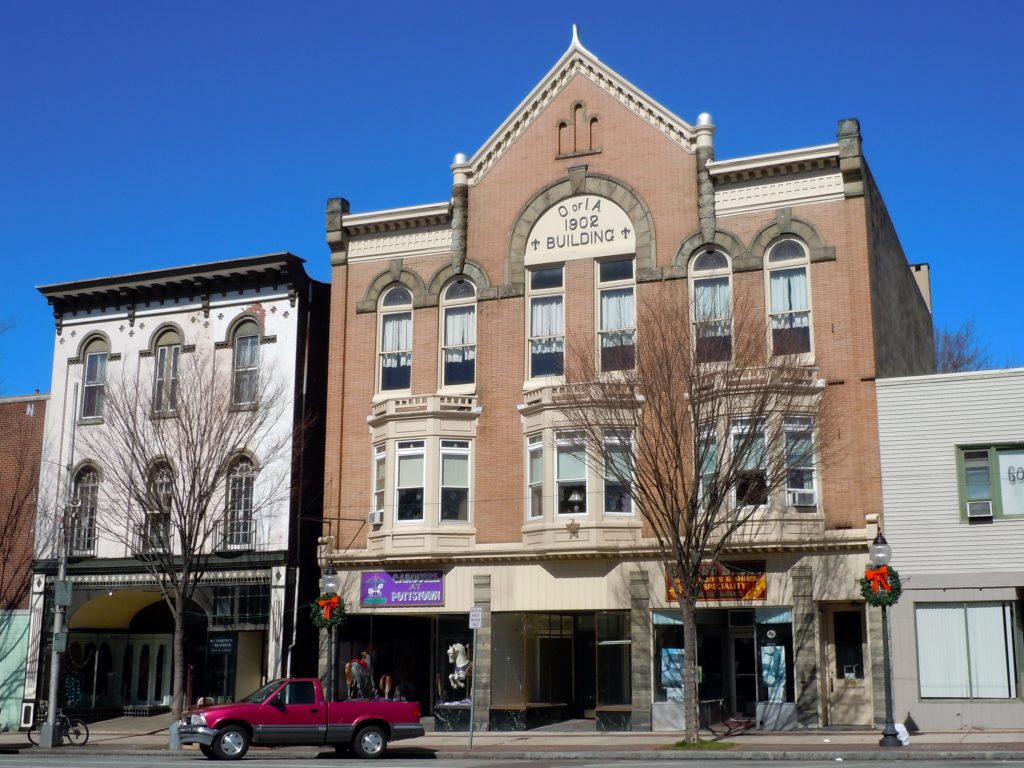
x,y
396,589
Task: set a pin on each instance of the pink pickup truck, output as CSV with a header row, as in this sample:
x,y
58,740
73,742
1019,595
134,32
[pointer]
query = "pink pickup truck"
x,y
293,712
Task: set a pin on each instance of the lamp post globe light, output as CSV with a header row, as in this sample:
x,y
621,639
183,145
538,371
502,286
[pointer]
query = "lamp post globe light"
x,y
330,585
880,553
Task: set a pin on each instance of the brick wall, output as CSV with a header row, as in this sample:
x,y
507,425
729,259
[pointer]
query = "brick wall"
x,y
21,443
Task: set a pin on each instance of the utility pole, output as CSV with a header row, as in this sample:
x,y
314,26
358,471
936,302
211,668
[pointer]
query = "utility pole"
x,y
61,594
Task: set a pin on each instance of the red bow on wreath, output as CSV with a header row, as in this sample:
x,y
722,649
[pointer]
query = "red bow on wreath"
x,y
329,604
879,578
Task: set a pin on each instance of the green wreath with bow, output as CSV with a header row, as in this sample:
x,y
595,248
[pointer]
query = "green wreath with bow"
x,y
327,611
881,586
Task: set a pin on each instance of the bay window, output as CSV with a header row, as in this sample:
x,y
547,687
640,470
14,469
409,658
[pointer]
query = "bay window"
x,y
535,475
618,462
571,470
409,480
455,481
749,459
798,435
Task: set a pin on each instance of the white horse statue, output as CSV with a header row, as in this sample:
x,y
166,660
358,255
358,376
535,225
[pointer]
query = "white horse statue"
x,y
457,656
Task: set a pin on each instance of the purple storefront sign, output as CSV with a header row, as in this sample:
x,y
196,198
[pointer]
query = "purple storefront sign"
x,y
395,589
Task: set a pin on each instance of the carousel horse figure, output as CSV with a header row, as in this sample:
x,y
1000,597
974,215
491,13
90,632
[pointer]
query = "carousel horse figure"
x,y
457,656
358,677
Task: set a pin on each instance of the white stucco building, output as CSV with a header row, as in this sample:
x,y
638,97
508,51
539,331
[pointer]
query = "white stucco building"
x,y
250,321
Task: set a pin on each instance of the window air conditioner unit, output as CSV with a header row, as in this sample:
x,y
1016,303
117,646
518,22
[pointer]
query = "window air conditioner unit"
x,y
979,509
376,517
801,498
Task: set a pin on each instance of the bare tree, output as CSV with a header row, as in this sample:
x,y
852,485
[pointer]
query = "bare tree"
x,y
705,431
188,465
961,349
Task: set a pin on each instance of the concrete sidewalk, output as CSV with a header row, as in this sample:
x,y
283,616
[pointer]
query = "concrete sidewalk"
x,y
148,735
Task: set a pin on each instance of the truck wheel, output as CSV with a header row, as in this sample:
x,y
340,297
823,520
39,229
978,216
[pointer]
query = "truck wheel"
x,y
207,752
370,742
231,743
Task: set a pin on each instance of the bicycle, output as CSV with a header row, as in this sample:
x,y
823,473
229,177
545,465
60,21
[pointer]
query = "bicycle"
x,y
68,729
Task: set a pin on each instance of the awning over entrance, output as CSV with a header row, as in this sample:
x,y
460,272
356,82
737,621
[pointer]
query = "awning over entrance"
x,y
112,611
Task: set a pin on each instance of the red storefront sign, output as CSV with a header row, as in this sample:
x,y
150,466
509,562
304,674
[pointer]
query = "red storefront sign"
x,y
745,580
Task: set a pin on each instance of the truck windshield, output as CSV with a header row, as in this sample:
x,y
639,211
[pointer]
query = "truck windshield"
x,y
261,695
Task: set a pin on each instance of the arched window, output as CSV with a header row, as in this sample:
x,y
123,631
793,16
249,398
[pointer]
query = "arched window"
x,y
238,523
165,372
712,307
789,298
156,531
246,340
95,354
617,300
395,342
458,343
83,512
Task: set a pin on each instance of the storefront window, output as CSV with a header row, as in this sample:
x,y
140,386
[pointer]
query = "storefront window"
x,y
774,654
668,656
614,668
507,657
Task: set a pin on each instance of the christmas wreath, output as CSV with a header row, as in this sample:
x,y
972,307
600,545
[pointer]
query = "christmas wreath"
x,y
327,611
881,586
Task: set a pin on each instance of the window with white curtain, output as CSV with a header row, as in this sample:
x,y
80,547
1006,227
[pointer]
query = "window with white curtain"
x,y
617,309
789,298
455,481
396,339
712,307
535,475
409,481
547,323
458,343
966,650
246,363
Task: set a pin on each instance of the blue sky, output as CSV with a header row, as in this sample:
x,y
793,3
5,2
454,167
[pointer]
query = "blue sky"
x,y
144,134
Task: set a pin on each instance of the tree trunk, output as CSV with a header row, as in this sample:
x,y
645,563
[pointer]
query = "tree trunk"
x,y
179,659
688,608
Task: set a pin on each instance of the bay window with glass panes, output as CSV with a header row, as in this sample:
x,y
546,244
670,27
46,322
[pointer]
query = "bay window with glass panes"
x,y
571,473
618,477
535,476
798,435
455,468
409,480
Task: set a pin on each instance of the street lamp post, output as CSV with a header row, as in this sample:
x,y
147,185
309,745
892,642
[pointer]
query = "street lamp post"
x,y
880,554
330,585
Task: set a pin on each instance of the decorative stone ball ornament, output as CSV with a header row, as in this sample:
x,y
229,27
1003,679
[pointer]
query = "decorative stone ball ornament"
x,y
881,586
327,611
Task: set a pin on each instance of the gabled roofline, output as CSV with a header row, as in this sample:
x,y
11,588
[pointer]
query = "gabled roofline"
x,y
576,60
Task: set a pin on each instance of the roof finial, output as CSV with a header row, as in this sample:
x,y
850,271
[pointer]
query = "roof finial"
x,y
576,35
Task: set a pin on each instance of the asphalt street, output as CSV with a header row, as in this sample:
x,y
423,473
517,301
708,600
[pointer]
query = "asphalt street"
x,y
35,759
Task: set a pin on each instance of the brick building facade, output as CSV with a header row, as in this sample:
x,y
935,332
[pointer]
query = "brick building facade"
x,y
21,443
451,481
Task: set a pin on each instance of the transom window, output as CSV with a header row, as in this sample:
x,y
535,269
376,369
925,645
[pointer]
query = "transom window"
x,y
455,481
617,301
409,480
96,353
789,298
712,307
547,323
396,339
247,362
459,334
165,374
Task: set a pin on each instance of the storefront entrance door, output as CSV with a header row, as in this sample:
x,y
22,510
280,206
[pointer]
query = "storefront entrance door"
x,y
744,679
848,696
